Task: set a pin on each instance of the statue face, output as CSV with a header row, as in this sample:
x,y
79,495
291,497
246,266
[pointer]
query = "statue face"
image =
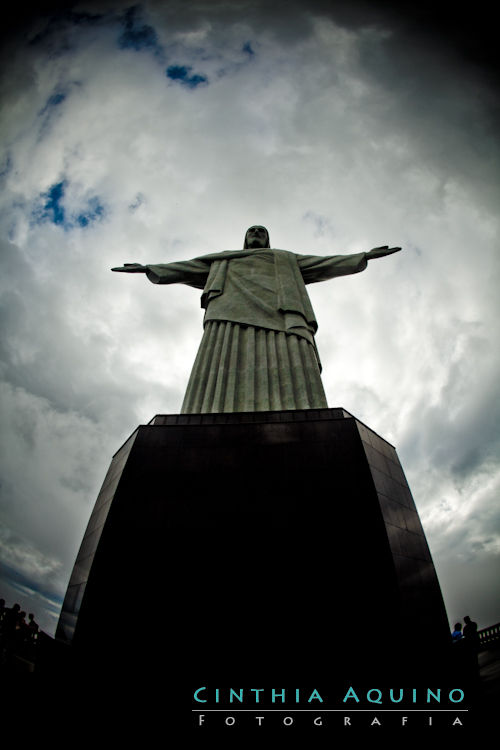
x,y
257,236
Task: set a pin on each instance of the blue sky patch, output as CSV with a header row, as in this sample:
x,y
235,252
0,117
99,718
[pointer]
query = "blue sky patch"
x,y
182,74
23,583
247,47
93,212
5,166
54,211
53,101
139,200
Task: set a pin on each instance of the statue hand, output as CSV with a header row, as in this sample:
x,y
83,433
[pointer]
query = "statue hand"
x,y
380,252
131,268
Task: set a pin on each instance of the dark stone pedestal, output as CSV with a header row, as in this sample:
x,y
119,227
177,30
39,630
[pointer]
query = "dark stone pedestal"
x,y
257,546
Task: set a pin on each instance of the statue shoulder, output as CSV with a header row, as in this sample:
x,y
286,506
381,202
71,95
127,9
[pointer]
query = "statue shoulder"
x,y
287,256
222,255
284,253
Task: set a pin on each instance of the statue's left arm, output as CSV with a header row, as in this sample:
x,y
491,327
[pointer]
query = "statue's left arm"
x,y
323,267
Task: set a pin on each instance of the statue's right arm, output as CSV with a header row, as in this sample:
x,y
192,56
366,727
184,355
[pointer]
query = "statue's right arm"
x,y
191,272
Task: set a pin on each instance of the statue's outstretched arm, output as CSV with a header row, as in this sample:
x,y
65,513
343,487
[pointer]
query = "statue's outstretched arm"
x,y
131,268
380,252
323,267
191,272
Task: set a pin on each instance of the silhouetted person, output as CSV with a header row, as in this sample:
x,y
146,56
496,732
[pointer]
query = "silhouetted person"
x,y
20,630
471,647
11,617
9,632
3,611
32,628
457,634
18,637
470,631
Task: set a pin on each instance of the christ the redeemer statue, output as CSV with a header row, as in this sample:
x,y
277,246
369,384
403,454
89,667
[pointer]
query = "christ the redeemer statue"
x,y
258,351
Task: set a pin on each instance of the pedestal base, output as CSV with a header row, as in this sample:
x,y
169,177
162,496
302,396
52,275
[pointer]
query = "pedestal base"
x,y
240,547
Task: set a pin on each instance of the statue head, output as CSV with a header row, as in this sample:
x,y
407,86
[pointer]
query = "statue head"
x,y
256,237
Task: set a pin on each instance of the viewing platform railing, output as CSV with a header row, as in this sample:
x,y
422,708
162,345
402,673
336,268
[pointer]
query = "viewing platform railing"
x,y
489,637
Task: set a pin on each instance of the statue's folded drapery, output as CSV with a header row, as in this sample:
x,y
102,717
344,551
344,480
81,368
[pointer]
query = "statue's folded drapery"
x,y
258,351
242,368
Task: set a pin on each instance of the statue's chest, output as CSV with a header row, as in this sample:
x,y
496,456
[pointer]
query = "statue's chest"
x,y
253,271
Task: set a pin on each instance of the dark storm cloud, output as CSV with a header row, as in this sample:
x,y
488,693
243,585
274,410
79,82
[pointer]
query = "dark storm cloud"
x,y
469,30
460,444
138,35
466,36
47,25
466,33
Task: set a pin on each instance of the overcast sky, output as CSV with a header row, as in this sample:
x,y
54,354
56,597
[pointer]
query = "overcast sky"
x,y
161,131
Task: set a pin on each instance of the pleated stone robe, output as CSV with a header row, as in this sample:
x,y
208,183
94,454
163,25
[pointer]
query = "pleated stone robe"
x,y
258,351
